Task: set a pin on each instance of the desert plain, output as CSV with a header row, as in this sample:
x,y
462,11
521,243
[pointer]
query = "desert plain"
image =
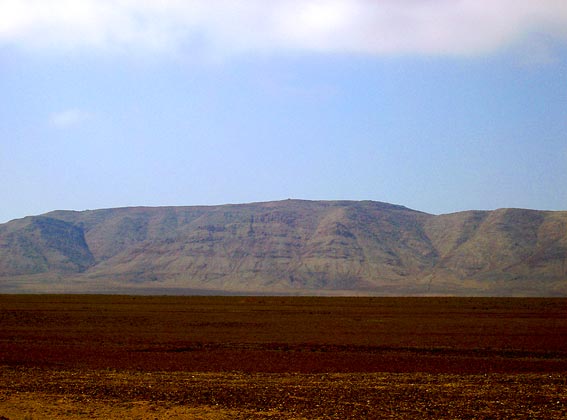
x,y
260,357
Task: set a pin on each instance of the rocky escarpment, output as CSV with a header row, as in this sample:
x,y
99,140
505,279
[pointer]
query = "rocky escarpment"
x,y
42,244
291,246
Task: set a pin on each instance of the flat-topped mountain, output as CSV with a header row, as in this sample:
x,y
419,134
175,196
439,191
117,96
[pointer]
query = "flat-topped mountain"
x,y
291,246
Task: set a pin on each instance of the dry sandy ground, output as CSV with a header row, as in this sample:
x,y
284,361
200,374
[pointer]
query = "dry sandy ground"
x,y
37,406
124,357
50,394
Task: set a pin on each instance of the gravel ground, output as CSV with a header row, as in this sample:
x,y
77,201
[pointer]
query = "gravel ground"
x,y
33,393
131,357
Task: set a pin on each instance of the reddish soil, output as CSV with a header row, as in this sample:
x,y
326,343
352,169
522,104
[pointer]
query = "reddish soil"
x,y
281,357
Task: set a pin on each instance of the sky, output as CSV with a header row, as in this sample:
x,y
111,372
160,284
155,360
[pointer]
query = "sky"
x,y
437,105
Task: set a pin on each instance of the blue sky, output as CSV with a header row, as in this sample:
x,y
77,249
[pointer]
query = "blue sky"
x,y
437,105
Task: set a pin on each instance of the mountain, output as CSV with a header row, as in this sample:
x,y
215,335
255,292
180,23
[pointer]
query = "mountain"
x,y
291,246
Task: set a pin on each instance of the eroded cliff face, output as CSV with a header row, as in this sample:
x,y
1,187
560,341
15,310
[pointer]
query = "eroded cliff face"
x,y
294,246
41,244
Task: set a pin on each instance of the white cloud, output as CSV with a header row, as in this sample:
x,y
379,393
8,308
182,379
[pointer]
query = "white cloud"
x,y
68,118
451,27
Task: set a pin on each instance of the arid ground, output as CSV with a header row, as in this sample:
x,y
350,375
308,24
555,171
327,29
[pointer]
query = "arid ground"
x,y
117,357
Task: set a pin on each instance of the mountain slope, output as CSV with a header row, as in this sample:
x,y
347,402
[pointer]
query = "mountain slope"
x,y
291,246
42,244
505,246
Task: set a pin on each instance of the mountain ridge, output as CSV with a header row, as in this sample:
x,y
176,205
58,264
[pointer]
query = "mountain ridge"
x,y
288,246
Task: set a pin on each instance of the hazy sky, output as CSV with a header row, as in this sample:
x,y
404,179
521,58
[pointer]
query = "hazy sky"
x,y
438,105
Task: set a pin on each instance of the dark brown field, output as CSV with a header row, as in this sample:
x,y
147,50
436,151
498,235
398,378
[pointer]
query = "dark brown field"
x,y
65,356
